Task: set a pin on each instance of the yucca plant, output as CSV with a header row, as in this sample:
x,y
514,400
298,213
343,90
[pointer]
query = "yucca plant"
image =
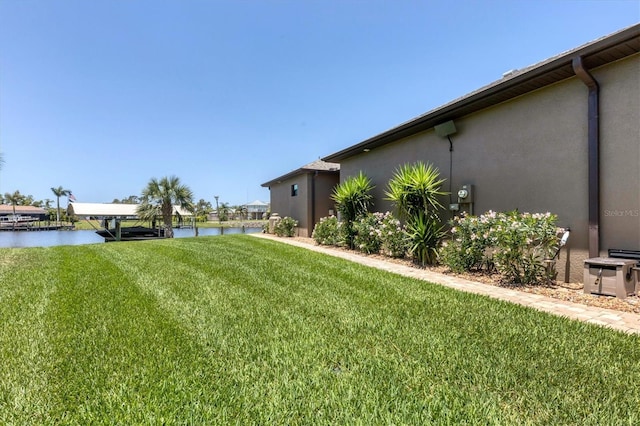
x,y
415,188
353,199
414,191
424,233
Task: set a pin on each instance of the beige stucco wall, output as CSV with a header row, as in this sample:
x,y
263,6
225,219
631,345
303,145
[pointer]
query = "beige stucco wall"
x,y
530,154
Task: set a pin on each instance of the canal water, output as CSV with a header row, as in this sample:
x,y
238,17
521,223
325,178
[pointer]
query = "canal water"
x,y
61,238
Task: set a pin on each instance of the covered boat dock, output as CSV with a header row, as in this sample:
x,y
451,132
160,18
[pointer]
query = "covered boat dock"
x,y
112,215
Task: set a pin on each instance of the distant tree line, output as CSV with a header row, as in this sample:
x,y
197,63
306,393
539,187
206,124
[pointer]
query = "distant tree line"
x,y
202,209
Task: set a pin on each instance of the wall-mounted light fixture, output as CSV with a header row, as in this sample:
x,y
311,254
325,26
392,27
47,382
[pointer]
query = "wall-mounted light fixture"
x,y
445,129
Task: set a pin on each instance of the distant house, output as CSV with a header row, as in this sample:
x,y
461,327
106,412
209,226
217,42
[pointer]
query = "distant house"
x,y
561,136
22,213
257,209
305,194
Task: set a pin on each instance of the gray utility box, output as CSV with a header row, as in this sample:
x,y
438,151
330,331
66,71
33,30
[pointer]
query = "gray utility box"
x,y
609,276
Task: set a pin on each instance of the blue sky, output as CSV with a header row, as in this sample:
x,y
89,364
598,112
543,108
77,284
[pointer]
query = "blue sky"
x,y
100,96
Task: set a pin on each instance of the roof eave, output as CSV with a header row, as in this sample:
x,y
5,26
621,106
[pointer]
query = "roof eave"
x,y
543,74
300,171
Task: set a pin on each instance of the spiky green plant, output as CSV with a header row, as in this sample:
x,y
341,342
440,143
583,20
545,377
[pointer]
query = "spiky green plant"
x,y
424,233
415,188
353,199
414,191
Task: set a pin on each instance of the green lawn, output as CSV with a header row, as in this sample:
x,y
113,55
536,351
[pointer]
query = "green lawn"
x,y
240,330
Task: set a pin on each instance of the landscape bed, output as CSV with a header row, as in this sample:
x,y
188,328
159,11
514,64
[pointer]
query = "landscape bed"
x,y
237,329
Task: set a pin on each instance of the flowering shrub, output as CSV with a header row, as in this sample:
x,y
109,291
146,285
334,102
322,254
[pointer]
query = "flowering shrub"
x,y
285,227
523,242
394,239
516,243
471,239
328,232
368,235
380,233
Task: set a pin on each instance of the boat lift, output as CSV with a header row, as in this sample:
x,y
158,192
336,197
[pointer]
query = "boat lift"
x,y
115,214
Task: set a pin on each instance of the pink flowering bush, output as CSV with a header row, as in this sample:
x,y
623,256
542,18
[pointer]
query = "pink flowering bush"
x,y
471,236
328,232
393,235
515,244
373,233
368,235
285,227
523,241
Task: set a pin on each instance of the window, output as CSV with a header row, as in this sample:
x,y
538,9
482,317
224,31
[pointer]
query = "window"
x,y
294,190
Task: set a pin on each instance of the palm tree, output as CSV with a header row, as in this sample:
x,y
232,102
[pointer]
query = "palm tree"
x,y
159,197
223,212
14,199
203,208
1,160
242,210
59,192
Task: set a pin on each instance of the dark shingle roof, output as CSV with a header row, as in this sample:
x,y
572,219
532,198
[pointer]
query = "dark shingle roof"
x,y
314,166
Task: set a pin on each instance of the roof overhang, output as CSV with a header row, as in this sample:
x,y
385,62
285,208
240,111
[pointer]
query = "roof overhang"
x,y
111,210
6,209
595,54
314,167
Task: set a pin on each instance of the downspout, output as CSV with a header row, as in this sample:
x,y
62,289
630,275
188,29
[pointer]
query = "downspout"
x,y
312,223
594,162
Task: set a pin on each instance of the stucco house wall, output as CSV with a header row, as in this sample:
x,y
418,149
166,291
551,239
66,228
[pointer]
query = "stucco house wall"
x,y
315,182
297,207
324,186
530,154
620,154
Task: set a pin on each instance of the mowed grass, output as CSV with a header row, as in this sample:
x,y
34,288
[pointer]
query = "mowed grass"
x,y
240,330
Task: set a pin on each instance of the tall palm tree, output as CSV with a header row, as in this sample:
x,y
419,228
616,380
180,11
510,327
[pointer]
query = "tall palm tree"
x,y
159,197
59,192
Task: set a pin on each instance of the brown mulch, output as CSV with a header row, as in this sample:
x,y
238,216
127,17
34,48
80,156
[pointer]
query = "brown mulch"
x,y
571,292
